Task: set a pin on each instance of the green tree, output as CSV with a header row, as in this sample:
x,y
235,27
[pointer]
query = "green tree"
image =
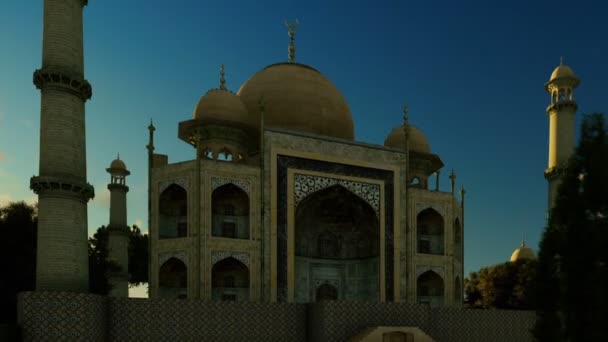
x,y
18,224
504,286
100,266
573,258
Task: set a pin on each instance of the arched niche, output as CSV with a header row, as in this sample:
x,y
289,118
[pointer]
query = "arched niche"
x,y
397,336
230,280
173,279
430,232
326,292
337,241
173,212
430,289
230,212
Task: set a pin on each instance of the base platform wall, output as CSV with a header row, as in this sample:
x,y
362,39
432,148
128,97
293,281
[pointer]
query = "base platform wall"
x,y
61,316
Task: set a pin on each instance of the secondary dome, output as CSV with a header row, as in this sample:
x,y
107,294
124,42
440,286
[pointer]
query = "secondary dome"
x,y
562,71
417,141
221,106
300,98
523,253
118,164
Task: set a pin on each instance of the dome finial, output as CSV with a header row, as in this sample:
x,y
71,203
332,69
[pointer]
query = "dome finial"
x,y
118,156
561,60
292,34
222,79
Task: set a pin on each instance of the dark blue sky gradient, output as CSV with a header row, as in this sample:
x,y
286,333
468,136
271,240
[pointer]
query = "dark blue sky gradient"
x,y
472,73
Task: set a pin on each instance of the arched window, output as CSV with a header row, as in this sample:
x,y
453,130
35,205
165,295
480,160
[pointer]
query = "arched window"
x,y
207,153
415,181
230,212
430,232
230,280
429,288
225,155
327,292
173,279
173,212
457,291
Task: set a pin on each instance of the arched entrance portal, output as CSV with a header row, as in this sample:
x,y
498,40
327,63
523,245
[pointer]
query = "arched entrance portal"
x,y
430,289
173,279
337,244
230,281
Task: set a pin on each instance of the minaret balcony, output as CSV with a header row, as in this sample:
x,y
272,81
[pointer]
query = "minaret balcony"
x,y
561,105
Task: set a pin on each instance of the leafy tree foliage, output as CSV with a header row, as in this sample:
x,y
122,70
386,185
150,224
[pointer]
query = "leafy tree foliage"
x,y
18,227
100,266
18,224
503,286
573,258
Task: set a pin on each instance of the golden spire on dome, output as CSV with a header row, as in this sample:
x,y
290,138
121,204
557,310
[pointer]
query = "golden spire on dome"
x,y
292,34
222,78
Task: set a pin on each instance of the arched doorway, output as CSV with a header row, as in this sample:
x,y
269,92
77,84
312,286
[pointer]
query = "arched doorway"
x,y
230,212
430,232
173,212
326,292
429,288
173,279
230,280
337,241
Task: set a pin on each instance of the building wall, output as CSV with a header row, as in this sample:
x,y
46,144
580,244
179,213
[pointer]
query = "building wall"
x,y
55,316
200,250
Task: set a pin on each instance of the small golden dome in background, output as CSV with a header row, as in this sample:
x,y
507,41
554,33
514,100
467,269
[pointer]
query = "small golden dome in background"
x,y
417,141
118,164
523,253
298,97
223,107
562,71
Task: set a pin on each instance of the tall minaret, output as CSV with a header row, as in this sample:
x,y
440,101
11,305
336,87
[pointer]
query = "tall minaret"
x,y
561,113
62,188
118,239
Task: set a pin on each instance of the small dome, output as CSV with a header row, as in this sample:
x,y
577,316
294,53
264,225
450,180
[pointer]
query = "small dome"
x,y
562,71
222,106
298,98
417,143
523,253
118,164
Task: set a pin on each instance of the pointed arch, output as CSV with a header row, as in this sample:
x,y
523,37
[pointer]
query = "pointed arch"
x,y
230,280
430,288
430,232
173,212
230,212
173,279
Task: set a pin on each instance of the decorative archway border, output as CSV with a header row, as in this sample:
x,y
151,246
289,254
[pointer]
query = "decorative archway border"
x,y
306,185
438,270
218,256
179,255
217,182
183,182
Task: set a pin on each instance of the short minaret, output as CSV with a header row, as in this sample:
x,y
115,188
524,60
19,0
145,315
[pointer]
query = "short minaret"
x,y
561,114
62,262
118,231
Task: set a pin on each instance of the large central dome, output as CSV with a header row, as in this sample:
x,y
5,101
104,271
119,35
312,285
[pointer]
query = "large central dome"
x,y
298,98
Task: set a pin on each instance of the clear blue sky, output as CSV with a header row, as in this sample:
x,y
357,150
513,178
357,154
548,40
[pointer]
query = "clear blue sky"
x,y
472,74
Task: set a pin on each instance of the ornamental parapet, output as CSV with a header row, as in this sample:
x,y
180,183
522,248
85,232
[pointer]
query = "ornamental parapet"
x,y
54,79
44,184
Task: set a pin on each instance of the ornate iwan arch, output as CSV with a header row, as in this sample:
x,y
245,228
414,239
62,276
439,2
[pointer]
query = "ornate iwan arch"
x,y
305,185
